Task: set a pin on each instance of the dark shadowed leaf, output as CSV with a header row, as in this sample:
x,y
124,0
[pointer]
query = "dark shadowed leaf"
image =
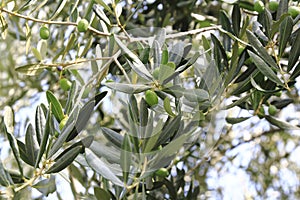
x,y
237,120
282,8
285,31
264,68
44,138
112,136
295,52
101,194
260,49
83,117
31,144
66,159
236,19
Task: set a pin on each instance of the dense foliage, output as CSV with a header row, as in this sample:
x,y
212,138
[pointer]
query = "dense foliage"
x,y
149,99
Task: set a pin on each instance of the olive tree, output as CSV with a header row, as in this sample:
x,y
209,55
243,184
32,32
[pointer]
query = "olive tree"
x,y
142,100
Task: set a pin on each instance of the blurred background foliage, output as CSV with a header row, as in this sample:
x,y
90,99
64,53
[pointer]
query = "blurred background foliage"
x,y
254,156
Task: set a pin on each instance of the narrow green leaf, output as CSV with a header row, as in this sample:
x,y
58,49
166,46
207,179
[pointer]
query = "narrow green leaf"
x,y
106,151
176,53
101,194
65,160
128,88
83,117
45,138
101,168
56,107
282,8
70,45
36,53
281,124
40,122
294,53
156,54
164,56
166,71
71,97
160,37
237,120
126,157
136,64
58,9
260,49
236,19
5,179
62,138
46,186
112,136
168,151
31,144
133,108
265,69
31,69
87,47
285,31
276,24
100,13
105,6
296,72
23,153
167,106
9,129
143,113
196,95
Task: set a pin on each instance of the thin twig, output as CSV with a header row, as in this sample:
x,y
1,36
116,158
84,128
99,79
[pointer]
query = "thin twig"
x,y
51,22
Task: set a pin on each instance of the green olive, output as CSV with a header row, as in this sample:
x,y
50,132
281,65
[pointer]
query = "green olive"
x,y
272,110
65,84
83,25
151,98
273,5
294,11
162,172
63,122
259,6
44,33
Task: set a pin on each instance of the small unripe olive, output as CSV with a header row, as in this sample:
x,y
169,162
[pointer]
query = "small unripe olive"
x,y
63,122
294,11
44,33
151,98
259,6
162,172
273,5
272,110
65,84
83,25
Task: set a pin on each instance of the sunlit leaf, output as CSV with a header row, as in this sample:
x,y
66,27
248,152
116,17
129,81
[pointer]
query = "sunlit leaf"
x,y
281,124
46,186
101,168
56,107
128,88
